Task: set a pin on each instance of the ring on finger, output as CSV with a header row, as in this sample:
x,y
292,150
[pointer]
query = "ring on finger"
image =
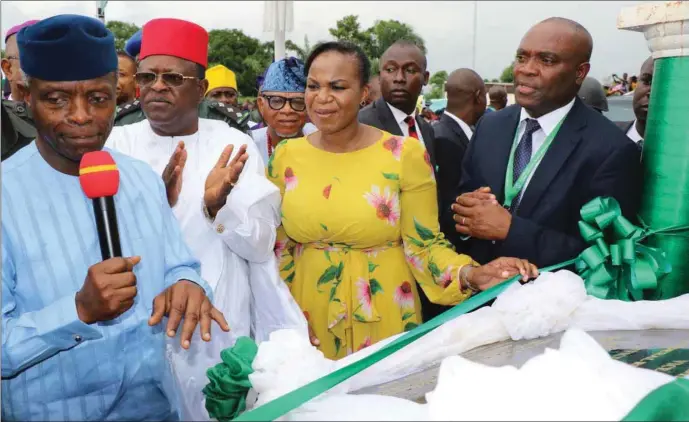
x,y
464,219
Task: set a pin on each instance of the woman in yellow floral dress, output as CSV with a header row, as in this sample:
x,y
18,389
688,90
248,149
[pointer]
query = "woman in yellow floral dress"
x,y
359,218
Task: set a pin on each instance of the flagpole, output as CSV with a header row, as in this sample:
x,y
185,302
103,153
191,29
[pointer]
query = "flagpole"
x,y
473,48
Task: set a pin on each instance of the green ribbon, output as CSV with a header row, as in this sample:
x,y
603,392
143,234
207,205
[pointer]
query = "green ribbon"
x,y
621,268
229,381
669,402
616,265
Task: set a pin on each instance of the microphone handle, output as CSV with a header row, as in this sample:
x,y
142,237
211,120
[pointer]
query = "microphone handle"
x,y
106,223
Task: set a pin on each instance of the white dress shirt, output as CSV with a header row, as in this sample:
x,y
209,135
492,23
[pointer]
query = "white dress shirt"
x,y
242,235
547,123
399,118
633,134
465,127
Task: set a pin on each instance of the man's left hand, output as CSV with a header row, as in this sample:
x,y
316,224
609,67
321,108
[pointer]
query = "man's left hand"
x,y
223,177
481,219
186,299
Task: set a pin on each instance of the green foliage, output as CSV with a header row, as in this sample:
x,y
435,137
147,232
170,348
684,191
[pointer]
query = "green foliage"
x,y
122,32
507,75
495,80
376,39
246,56
301,52
437,82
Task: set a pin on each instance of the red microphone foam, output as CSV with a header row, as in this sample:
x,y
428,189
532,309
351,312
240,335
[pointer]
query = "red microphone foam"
x,y
98,175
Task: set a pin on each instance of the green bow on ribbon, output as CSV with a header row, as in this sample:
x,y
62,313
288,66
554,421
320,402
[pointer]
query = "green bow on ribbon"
x,y
616,265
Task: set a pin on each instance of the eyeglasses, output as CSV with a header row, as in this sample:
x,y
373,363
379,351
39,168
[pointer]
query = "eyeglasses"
x,y
277,102
169,78
12,57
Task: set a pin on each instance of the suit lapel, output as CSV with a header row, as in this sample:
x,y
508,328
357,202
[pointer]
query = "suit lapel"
x,y
554,159
387,119
457,129
499,149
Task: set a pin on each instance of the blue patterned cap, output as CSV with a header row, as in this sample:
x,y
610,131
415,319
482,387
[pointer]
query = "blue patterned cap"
x,y
285,75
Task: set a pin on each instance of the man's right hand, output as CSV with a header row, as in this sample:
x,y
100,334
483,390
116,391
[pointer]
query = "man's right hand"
x,y
172,175
108,291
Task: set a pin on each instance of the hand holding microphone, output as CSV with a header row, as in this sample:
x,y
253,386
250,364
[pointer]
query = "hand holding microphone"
x,y
110,286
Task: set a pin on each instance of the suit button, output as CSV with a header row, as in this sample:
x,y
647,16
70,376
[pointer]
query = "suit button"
x,y
220,229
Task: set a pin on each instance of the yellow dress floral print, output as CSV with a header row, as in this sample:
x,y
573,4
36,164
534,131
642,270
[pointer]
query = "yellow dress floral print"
x,y
359,231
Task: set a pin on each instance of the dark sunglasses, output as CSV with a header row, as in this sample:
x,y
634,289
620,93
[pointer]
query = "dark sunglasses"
x,y
169,78
277,102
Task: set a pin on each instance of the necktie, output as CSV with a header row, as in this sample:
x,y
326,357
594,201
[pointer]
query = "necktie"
x,y
522,155
411,124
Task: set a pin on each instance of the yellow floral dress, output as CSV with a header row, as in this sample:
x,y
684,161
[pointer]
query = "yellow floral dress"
x,y
359,231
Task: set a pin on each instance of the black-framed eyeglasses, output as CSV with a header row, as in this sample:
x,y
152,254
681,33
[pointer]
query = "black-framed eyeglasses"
x,y
12,57
277,102
169,78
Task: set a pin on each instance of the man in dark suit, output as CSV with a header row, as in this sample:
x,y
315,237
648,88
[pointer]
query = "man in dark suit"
x,y
636,129
585,156
466,103
403,75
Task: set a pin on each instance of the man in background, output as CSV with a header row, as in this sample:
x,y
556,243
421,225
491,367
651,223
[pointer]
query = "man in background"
x,y
497,95
636,130
222,86
466,103
403,74
281,103
593,94
373,91
11,65
126,85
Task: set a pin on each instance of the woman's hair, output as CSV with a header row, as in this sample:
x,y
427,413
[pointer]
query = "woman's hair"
x,y
346,48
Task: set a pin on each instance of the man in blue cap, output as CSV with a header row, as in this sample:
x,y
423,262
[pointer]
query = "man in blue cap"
x,y
81,338
281,103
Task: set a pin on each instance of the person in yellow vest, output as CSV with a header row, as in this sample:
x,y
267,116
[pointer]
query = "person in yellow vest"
x,y
222,86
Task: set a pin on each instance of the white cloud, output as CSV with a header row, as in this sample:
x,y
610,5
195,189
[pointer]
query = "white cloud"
x,y
446,26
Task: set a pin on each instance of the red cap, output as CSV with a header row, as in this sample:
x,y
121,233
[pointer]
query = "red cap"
x,y
98,175
177,38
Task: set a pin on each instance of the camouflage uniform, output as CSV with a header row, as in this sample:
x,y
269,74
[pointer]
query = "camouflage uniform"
x,y
132,112
17,127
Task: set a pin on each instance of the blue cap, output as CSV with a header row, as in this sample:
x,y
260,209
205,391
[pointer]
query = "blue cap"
x,y
285,75
67,48
133,45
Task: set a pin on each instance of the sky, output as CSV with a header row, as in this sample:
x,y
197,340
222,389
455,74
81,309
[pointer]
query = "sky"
x,y
446,26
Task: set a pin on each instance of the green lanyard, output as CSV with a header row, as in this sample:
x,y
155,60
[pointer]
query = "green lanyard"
x,y
512,189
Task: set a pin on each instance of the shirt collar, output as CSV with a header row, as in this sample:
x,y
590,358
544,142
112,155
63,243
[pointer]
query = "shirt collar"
x,y
399,114
465,127
634,134
550,120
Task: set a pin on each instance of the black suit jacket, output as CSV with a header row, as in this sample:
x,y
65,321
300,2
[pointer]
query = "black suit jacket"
x,y
379,115
451,144
589,157
625,126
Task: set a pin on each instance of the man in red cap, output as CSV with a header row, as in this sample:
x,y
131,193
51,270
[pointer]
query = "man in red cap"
x,y
214,174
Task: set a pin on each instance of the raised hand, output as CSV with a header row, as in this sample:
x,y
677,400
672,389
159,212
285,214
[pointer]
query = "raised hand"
x,y
186,300
108,291
172,175
223,177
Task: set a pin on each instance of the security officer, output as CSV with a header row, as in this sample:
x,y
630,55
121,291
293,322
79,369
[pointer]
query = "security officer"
x,y
592,94
17,127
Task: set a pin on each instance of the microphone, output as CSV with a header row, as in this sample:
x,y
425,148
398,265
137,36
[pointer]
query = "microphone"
x,y
100,181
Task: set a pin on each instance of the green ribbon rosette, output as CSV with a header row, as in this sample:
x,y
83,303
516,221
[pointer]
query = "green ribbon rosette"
x,y
617,265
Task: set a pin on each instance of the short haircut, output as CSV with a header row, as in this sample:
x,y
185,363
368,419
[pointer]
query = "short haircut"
x,y
410,44
345,48
579,29
124,54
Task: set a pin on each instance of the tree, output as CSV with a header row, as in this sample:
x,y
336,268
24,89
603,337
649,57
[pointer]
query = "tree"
x,y
495,80
301,52
376,39
122,32
246,56
437,82
507,75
